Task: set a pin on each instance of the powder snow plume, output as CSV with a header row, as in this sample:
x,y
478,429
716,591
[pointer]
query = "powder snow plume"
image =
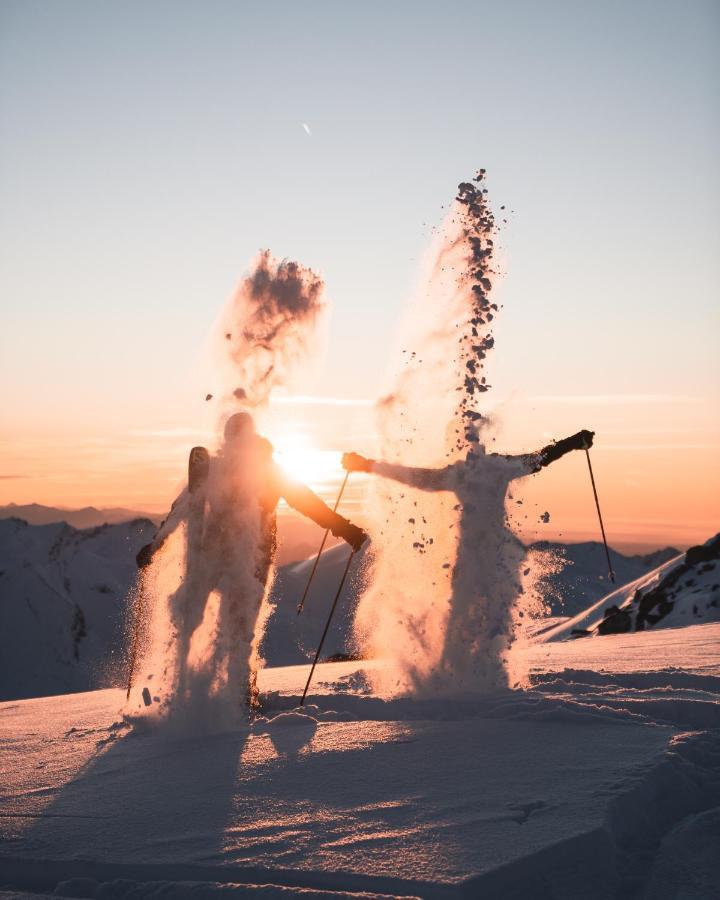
x,y
201,605
268,329
445,574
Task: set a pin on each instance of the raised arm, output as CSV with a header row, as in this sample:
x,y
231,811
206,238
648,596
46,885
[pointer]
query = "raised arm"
x,y
302,499
423,479
583,440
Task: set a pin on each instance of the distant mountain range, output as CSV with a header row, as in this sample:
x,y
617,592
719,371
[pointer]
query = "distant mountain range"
x,y
583,576
87,517
64,600
63,603
682,591
298,537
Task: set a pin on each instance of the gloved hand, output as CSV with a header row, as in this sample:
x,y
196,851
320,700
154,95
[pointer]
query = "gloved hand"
x,y
354,462
144,557
355,536
583,440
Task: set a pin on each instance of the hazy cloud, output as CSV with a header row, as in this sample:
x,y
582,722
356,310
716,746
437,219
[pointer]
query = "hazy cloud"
x,y
614,399
659,446
179,432
310,400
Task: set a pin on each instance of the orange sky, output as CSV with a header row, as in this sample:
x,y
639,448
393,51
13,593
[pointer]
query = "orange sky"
x,y
142,169
657,484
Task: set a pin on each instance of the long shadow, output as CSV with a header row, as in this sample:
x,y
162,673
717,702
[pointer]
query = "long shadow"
x,y
216,807
145,797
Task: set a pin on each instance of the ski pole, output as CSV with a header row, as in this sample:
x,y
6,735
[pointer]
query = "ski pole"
x,y
137,624
327,626
322,545
602,527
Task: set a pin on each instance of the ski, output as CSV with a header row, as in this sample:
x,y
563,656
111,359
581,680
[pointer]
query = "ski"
x,y
198,468
198,471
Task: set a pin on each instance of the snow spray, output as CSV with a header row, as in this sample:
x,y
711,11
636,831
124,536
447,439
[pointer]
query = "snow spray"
x,y
204,597
269,329
446,568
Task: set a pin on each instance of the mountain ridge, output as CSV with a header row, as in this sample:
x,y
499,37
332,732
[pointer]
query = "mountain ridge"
x,y
84,517
65,595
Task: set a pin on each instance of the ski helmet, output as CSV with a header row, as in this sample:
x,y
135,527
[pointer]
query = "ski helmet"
x,y
239,425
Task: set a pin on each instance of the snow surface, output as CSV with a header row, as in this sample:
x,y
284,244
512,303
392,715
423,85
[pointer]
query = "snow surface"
x,y
600,780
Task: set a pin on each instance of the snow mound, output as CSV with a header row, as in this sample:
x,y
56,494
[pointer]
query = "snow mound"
x,y
688,864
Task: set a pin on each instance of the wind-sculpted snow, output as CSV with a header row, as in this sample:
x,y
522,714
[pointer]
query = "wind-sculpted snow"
x,y
659,699
590,783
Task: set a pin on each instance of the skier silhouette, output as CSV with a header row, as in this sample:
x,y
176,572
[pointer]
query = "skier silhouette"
x,y
485,578
231,548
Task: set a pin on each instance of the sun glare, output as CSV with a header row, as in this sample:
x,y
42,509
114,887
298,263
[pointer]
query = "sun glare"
x,y
302,461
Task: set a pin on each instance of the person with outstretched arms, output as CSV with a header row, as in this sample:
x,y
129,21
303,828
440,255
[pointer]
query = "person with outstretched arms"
x,y
485,579
448,477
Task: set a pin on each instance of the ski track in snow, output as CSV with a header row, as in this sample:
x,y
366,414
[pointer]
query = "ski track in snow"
x,y
601,779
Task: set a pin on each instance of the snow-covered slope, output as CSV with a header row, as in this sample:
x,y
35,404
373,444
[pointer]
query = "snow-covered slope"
x,y
290,638
683,591
63,596
600,781
581,577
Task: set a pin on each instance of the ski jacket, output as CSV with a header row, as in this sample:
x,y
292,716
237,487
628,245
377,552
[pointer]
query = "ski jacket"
x,y
237,483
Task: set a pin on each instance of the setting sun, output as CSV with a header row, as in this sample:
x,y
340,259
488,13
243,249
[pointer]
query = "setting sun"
x,y
302,461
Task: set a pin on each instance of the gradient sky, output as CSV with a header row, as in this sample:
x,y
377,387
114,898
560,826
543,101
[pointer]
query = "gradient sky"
x,y
148,150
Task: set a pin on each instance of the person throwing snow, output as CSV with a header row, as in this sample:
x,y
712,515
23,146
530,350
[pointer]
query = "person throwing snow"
x,y
485,577
231,544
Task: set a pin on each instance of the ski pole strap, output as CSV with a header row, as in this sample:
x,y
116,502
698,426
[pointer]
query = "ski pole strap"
x,y
602,527
327,626
322,546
